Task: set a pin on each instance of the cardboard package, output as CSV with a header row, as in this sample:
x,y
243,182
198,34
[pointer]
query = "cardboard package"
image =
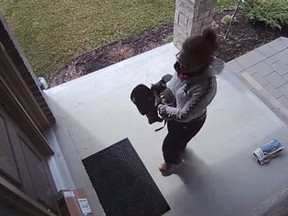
x,y
74,203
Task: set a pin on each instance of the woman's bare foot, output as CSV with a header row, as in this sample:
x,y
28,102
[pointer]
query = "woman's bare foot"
x,y
168,169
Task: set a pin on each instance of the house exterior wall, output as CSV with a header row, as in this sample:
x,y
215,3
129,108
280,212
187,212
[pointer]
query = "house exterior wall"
x,y
25,178
191,18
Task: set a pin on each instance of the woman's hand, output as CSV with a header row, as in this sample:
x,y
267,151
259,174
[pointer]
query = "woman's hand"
x,y
168,98
158,100
163,99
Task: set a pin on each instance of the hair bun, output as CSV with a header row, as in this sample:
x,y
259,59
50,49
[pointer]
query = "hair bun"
x,y
210,36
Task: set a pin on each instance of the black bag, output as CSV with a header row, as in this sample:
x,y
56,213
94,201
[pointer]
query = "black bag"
x,y
144,99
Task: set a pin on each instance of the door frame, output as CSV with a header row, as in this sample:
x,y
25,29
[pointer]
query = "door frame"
x,y
11,102
12,195
24,101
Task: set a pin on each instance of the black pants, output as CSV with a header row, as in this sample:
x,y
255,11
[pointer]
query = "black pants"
x,y
179,134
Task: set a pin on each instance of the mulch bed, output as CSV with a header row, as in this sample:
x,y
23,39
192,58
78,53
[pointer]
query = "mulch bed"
x,y
242,38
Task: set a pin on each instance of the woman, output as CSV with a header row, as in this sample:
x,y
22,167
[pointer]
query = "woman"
x,y
194,87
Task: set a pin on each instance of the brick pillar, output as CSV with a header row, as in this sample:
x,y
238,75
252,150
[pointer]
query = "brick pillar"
x,y
191,18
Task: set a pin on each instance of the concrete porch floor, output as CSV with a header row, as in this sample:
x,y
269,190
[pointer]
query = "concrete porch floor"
x,y
219,177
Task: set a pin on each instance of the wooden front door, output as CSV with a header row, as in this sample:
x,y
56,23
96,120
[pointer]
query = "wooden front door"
x,y
23,165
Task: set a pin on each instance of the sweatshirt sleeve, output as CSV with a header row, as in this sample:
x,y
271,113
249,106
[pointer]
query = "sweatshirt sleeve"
x,y
199,99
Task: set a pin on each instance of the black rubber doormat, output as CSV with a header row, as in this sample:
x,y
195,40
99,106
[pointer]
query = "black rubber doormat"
x,y
123,184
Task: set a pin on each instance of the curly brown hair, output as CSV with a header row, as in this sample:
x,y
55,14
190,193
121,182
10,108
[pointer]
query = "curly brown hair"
x,y
197,52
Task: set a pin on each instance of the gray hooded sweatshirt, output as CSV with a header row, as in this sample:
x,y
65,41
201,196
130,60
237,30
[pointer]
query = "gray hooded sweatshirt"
x,y
192,95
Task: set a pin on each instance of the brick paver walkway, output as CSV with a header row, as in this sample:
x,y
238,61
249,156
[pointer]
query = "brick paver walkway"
x,y
265,70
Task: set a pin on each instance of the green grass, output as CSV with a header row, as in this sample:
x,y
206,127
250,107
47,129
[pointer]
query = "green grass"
x,y
226,4
53,32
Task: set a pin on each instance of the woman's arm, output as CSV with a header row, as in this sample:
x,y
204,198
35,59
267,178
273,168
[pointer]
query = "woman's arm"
x,y
199,100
